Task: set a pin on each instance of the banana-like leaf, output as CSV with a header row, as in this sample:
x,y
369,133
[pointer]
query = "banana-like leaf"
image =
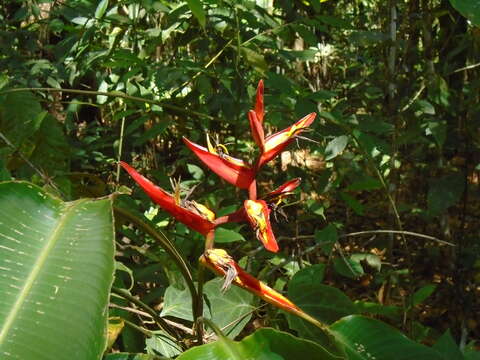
x,y
56,269
262,344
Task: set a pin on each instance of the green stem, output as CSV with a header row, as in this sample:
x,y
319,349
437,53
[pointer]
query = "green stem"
x,y
160,322
170,249
140,329
199,305
120,148
117,94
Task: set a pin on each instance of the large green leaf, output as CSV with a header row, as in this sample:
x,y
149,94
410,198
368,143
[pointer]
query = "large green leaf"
x,y
229,310
264,344
325,303
468,8
366,339
56,265
126,356
20,116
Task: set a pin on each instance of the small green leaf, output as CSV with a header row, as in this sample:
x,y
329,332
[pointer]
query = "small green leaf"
x,y
197,9
365,184
196,171
178,303
353,203
371,259
223,235
422,294
336,147
438,129
101,8
348,267
255,59
162,343
328,236
151,133
423,107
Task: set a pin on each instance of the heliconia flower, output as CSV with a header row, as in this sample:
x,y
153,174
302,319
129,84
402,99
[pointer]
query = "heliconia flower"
x,y
276,143
285,189
196,216
258,214
257,130
259,107
223,264
233,170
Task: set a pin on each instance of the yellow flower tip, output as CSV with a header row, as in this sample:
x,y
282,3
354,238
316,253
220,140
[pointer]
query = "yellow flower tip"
x,y
204,211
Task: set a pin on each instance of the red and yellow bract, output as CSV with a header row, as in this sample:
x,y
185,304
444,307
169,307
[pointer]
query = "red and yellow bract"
x,y
223,264
196,216
258,215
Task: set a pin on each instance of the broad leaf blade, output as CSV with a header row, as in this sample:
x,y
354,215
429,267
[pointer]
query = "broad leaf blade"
x,y
324,302
263,344
230,311
56,261
468,8
366,339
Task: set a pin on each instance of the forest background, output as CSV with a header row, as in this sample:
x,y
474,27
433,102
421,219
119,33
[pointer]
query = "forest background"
x,y
383,230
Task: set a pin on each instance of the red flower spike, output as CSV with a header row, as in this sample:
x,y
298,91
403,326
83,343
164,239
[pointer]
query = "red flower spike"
x,y
233,170
196,216
221,263
258,215
284,189
259,107
257,130
276,143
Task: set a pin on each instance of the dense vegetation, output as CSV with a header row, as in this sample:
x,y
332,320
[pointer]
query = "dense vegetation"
x,y
380,239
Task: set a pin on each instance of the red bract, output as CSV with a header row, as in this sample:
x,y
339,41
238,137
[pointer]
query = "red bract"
x,y
221,263
194,215
258,215
257,130
276,143
284,189
233,170
259,107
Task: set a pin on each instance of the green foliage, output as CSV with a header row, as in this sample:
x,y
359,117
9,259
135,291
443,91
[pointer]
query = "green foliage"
x,y
394,148
262,344
469,8
57,265
364,338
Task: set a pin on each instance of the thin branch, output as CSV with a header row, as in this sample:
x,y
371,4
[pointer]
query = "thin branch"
x,y
44,177
161,322
398,232
465,68
117,94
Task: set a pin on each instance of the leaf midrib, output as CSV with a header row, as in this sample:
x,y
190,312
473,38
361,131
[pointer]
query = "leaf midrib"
x,y
67,208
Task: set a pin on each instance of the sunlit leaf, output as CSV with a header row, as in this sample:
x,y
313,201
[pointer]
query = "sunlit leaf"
x,y
57,265
367,339
262,344
336,147
196,7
